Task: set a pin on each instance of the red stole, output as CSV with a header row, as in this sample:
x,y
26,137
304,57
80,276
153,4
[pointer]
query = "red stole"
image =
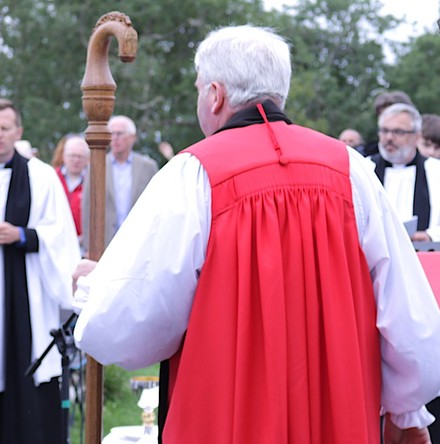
x,y
281,345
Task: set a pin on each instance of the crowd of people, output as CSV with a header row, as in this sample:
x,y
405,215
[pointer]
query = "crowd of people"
x,y
39,249
406,159
267,267
42,241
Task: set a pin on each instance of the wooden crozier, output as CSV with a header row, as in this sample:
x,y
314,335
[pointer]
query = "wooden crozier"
x,y
98,101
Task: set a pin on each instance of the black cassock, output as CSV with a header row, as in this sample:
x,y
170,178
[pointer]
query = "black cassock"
x,y
28,414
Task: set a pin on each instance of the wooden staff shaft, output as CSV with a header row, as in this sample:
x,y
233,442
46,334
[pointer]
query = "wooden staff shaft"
x,y
98,99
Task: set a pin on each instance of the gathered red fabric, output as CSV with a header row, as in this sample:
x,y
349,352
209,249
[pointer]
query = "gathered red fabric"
x,y
281,345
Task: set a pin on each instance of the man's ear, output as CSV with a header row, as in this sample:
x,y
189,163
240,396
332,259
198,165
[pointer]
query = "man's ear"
x,y
219,97
20,130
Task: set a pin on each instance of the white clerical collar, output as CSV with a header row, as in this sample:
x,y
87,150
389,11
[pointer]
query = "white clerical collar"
x,y
400,166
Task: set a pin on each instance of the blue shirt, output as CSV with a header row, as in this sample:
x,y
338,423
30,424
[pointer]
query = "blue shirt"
x,y
122,178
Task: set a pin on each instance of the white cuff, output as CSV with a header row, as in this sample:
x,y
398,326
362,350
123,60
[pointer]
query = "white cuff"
x,y
418,418
81,295
434,233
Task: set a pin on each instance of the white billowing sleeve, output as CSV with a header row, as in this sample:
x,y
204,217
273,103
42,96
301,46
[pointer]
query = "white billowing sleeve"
x,y
408,316
432,169
140,294
59,251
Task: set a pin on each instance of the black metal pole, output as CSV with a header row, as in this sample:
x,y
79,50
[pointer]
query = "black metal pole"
x,y
63,339
65,398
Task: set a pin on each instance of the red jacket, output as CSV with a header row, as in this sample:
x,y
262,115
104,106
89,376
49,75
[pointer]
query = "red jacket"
x,y
74,197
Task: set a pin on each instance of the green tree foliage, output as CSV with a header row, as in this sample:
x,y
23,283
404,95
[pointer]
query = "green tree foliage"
x,y
43,52
40,68
418,72
169,33
338,62
337,52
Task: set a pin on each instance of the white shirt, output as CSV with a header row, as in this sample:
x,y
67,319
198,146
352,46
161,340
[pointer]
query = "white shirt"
x,y
72,182
141,292
399,182
122,180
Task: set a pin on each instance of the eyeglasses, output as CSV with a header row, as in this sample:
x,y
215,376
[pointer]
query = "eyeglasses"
x,y
395,132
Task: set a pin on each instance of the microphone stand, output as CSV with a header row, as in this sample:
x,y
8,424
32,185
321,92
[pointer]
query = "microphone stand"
x,y
63,339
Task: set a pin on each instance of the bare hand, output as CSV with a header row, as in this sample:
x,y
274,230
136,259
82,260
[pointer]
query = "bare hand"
x,y
85,267
421,236
393,435
166,150
8,233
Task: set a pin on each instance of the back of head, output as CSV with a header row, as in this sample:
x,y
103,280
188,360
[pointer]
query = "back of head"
x,y
386,99
431,128
399,108
251,62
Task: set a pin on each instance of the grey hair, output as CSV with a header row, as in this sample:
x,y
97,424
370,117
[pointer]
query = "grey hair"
x,y
399,108
251,62
131,126
73,140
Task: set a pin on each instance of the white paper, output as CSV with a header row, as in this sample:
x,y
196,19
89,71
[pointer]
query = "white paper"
x,y
411,225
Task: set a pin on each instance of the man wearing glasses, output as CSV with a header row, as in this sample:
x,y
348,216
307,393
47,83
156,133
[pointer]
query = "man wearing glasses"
x,y
411,180
127,174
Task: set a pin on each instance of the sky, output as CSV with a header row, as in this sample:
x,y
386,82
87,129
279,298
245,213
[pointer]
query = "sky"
x,y
422,14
